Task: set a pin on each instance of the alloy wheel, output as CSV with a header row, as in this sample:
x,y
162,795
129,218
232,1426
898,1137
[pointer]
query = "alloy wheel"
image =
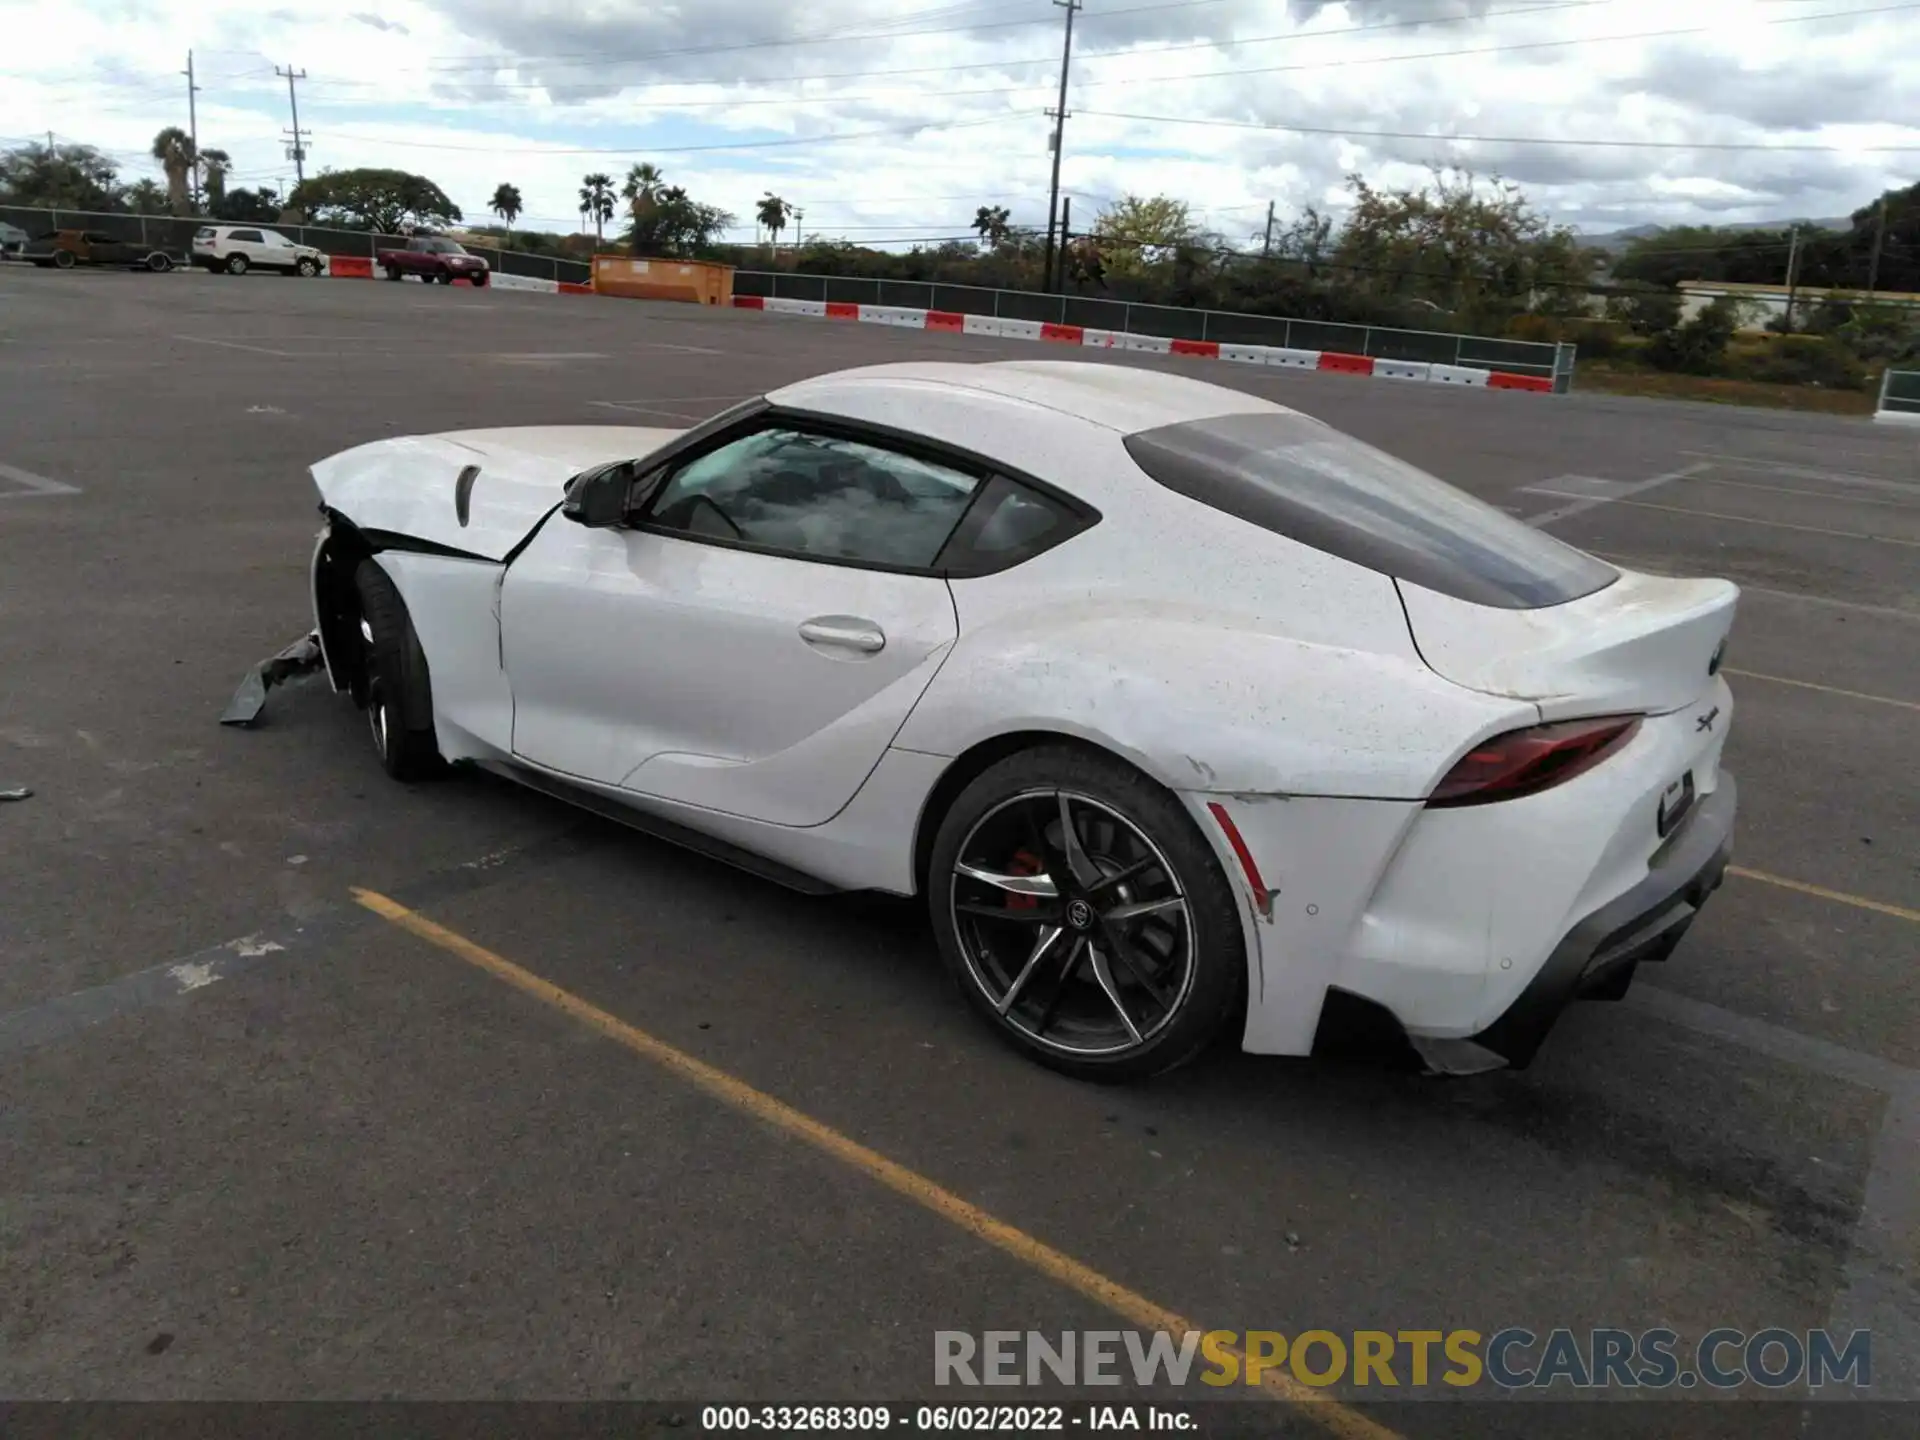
x,y
1073,923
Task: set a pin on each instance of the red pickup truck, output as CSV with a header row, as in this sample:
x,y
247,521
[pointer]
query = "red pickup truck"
x,y
433,257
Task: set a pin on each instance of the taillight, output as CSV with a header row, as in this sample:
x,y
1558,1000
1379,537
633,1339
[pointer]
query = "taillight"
x,y
1525,762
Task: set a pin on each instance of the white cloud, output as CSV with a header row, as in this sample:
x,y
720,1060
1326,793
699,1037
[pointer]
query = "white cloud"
x,y
474,92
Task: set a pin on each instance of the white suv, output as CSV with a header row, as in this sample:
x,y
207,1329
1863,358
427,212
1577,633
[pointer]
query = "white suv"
x,y
237,249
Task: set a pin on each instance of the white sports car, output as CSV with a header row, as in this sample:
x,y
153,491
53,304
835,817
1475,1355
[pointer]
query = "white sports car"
x,y
1182,710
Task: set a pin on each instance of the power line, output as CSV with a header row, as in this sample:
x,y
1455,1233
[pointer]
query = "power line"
x,y
1503,139
599,60
789,101
650,149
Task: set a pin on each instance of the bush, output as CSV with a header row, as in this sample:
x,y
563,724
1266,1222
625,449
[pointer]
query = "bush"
x,y
1697,347
1646,312
1596,339
1543,329
1805,360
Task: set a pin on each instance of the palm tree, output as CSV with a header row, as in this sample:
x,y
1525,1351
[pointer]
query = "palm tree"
x,y
596,200
507,205
772,212
173,148
992,223
214,167
643,184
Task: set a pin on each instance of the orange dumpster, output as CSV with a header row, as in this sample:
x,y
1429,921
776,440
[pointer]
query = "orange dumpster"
x,y
698,282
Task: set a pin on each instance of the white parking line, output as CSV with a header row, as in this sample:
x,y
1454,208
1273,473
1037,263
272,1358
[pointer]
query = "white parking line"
x,y
1590,493
33,484
236,345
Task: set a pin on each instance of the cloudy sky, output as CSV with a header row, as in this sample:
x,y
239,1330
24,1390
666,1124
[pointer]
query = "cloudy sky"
x,y
893,121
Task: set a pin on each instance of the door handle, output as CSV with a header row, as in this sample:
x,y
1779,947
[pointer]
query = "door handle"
x,y
848,632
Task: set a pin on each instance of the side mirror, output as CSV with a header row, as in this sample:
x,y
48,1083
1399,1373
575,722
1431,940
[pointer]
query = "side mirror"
x,y
600,498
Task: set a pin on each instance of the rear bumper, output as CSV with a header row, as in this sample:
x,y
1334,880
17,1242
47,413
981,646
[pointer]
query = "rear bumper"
x,y
1645,923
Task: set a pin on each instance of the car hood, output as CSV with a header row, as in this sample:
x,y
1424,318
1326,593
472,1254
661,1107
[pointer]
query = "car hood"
x,y
407,486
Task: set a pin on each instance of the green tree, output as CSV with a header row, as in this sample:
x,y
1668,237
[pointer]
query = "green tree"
x,y
643,182
994,223
258,207
1645,309
215,165
772,212
372,199
59,177
1136,232
596,201
146,197
173,148
672,223
1478,249
506,203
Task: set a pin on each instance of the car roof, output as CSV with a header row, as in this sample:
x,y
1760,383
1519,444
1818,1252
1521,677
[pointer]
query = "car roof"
x,y
1126,398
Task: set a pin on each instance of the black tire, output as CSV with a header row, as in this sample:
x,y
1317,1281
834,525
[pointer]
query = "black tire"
x,y
392,274
236,264
398,691
1185,984
63,259
307,267
479,280
159,262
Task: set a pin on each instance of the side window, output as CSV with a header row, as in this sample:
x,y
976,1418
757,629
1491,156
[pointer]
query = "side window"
x,y
819,496
244,237
275,239
1008,524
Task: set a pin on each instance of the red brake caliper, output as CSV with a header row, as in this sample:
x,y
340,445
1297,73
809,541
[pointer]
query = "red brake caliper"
x,y
1025,862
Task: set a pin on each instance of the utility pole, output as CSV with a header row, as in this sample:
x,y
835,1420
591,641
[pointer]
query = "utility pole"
x,y
1066,238
296,149
1059,116
193,130
1266,245
1879,240
798,216
1793,272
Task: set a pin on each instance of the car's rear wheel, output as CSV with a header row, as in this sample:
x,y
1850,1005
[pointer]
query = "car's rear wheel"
x,y
159,262
236,264
1084,916
64,259
398,692
307,266
390,272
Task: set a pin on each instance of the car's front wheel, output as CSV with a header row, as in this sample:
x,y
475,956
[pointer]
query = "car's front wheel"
x,y
236,264
63,259
1084,916
398,691
307,266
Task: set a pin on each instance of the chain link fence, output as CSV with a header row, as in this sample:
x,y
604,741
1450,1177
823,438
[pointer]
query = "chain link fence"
x,y
174,234
1521,357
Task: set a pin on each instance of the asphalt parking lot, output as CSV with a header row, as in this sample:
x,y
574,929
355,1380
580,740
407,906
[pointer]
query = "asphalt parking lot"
x,y
261,1142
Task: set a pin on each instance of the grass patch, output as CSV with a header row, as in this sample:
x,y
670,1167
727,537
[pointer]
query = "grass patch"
x,y
1613,380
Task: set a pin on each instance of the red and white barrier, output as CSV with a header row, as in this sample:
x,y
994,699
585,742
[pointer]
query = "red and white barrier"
x,y
1003,328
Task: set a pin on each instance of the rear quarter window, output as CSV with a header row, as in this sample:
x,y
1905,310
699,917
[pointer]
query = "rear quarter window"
x,y
1297,477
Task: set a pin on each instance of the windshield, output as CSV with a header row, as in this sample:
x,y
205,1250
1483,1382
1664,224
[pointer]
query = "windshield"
x,y
441,247
1302,479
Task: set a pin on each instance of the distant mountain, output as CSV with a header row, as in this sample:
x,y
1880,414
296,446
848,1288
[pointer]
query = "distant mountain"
x,y
1618,240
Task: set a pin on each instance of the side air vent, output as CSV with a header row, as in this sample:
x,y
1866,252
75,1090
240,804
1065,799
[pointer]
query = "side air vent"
x,y
463,493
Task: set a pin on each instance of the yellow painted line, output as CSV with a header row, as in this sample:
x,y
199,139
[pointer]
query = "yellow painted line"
x,y
1770,524
1824,689
1330,1414
1859,902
